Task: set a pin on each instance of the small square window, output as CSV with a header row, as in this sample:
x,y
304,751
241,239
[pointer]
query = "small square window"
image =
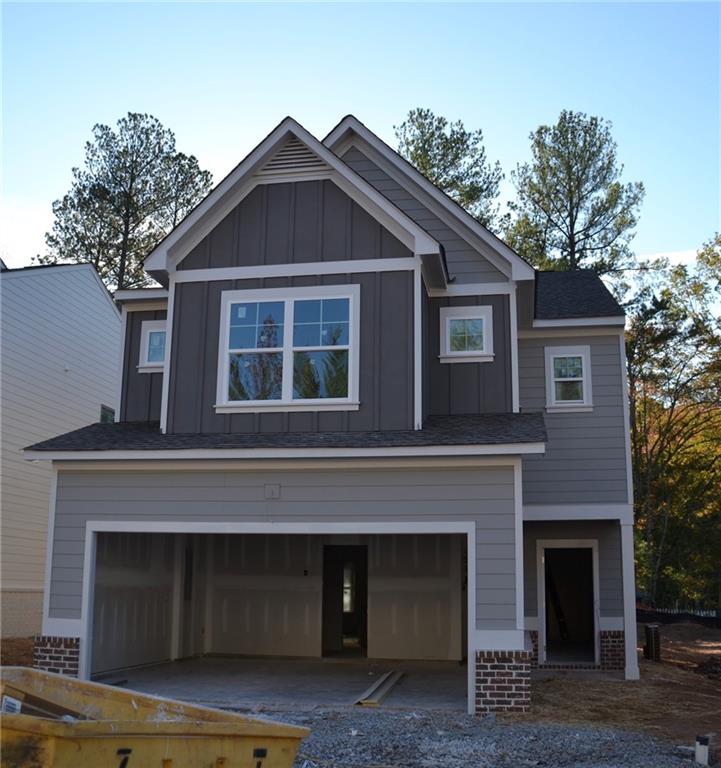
x,y
152,346
568,378
466,334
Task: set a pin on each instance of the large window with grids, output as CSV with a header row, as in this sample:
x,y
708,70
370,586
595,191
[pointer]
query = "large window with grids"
x,y
289,349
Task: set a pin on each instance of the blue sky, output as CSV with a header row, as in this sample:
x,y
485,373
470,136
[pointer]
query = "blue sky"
x,y
222,75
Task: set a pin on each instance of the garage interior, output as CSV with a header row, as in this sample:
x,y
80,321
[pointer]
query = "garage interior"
x,y
230,598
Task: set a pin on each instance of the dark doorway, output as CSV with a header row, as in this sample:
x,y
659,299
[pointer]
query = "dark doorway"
x,y
345,600
570,627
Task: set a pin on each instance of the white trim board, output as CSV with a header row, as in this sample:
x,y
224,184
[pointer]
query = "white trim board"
x,y
605,623
578,512
509,449
140,294
568,333
295,270
580,322
292,465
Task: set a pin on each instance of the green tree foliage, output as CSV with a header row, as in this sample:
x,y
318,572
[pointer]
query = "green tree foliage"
x,y
674,364
133,189
572,210
454,159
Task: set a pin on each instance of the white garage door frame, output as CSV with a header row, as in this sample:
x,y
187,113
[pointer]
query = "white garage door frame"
x,y
94,527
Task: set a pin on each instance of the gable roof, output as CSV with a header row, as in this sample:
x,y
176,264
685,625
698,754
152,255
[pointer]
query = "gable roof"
x,y
289,152
519,268
577,294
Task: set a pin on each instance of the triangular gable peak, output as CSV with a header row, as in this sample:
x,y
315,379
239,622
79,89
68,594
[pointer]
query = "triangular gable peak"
x,y
504,258
288,153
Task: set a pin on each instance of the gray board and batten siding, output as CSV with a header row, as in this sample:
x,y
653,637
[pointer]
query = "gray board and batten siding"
x,y
585,457
454,389
484,496
386,358
141,392
610,577
291,223
465,263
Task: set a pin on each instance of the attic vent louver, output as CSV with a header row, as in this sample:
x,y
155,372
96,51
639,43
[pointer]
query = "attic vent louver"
x,y
292,158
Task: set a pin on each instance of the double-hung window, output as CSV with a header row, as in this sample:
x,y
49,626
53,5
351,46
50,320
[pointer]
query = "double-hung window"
x,y
289,349
568,378
152,346
466,334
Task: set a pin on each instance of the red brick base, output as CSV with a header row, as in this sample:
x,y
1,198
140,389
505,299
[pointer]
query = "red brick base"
x,y
57,654
503,681
613,653
613,650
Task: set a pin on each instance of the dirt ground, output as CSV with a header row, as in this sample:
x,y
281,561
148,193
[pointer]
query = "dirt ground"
x,y
674,700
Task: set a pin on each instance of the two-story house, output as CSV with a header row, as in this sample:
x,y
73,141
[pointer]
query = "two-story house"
x,y
352,421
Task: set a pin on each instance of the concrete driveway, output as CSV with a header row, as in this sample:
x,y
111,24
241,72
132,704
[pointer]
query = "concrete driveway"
x,y
251,683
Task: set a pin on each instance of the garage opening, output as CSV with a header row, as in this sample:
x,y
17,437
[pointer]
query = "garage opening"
x,y
569,592
160,597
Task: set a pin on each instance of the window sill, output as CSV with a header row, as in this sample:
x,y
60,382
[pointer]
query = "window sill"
x,y
466,358
150,369
581,408
287,407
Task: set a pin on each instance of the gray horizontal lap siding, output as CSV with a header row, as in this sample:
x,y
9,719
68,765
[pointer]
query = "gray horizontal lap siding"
x,y
468,388
386,358
608,535
483,496
290,223
585,458
465,263
141,392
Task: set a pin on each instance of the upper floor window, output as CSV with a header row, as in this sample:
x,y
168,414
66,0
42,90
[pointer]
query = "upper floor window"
x,y
152,346
568,378
466,334
290,348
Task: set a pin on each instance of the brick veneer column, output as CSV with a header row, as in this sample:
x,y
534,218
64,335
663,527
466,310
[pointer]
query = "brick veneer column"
x,y
57,654
613,653
503,681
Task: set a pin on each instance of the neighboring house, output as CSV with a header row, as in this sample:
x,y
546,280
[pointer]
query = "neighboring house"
x,y
353,421
59,362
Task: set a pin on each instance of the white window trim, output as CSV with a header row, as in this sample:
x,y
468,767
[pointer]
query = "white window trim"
x,y
350,403
148,327
559,406
479,312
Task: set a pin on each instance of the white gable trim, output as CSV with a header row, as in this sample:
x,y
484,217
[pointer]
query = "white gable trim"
x,y
241,181
519,269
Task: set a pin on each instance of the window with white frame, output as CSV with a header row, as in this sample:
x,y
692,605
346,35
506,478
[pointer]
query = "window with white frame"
x,y
466,334
568,378
152,346
289,348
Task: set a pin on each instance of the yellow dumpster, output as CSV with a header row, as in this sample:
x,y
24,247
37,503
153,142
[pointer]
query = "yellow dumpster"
x,y
51,720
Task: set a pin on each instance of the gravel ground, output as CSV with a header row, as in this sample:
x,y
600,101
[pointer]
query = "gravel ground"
x,y
399,739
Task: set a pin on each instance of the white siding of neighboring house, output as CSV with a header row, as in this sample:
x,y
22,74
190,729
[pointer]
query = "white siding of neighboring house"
x,y
59,352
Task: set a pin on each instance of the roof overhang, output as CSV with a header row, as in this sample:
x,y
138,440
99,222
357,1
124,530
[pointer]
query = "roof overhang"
x,y
249,173
224,454
341,137
580,322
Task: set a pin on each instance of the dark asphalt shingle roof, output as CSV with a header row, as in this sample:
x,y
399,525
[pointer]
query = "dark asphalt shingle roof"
x,y
581,293
488,429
